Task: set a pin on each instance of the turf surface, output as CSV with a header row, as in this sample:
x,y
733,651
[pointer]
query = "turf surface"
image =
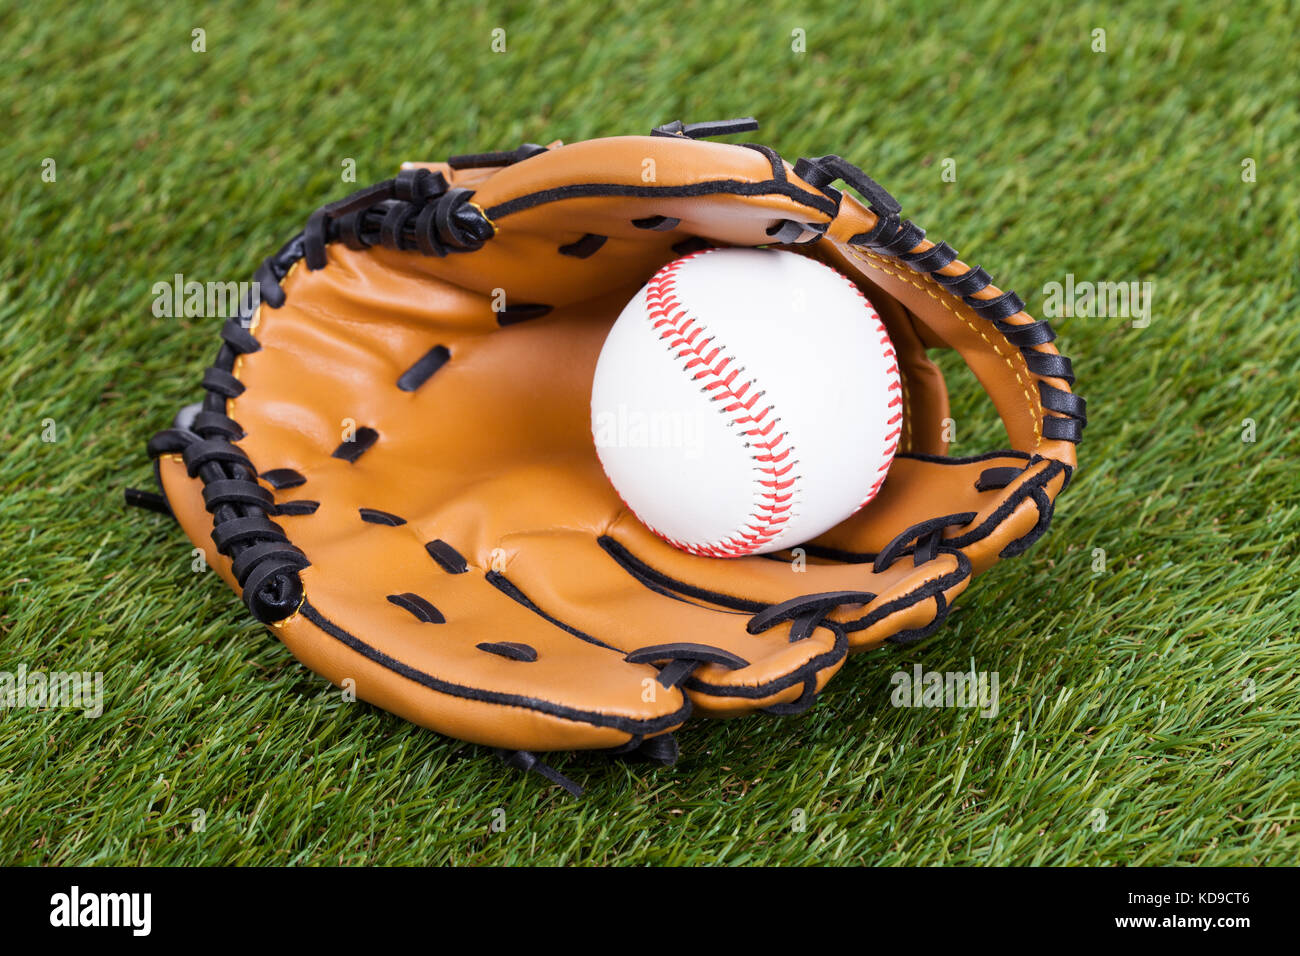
x,y
1148,709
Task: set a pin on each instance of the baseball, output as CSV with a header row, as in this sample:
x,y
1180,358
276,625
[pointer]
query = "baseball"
x,y
745,401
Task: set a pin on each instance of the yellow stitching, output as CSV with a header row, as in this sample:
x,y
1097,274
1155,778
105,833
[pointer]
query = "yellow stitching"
x,y
480,212
284,622
883,264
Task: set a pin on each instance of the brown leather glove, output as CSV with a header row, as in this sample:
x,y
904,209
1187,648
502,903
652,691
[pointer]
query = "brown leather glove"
x,y
393,460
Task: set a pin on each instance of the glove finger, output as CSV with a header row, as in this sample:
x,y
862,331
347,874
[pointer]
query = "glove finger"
x,y
444,648
702,644
639,197
778,634
902,601
999,503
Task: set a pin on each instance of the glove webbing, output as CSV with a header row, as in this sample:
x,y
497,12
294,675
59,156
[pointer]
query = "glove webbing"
x,y
895,238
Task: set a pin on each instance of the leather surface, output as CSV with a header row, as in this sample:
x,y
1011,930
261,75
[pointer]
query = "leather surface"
x,y
493,455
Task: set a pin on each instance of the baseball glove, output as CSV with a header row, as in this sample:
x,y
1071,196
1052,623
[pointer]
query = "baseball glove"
x,y
393,459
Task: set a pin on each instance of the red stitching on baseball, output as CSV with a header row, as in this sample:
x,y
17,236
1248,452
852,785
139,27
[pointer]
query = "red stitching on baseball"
x,y
771,507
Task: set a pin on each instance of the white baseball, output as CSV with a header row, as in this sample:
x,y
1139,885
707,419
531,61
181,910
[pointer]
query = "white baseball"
x,y
745,401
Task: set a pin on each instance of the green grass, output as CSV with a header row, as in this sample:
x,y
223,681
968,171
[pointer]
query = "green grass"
x,y
1126,733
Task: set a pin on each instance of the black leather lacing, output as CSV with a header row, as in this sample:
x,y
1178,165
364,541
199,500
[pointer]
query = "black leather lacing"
x,y
414,211
527,761
681,659
493,160
149,501
264,563
704,130
800,607
927,536
662,749
925,539
895,237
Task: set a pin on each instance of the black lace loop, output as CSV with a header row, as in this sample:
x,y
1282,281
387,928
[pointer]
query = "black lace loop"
x,y
821,171
927,534
244,531
966,284
1062,429
218,422
746,124
1000,307
279,555
682,659
493,160
662,749
1058,400
997,478
418,186
797,706
267,277
1047,365
394,221
803,606
228,491
461,225
908,236
349,230
199,453
240,340
526,761
1027,336
222,382
273,590
417,211
426,233
932,260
